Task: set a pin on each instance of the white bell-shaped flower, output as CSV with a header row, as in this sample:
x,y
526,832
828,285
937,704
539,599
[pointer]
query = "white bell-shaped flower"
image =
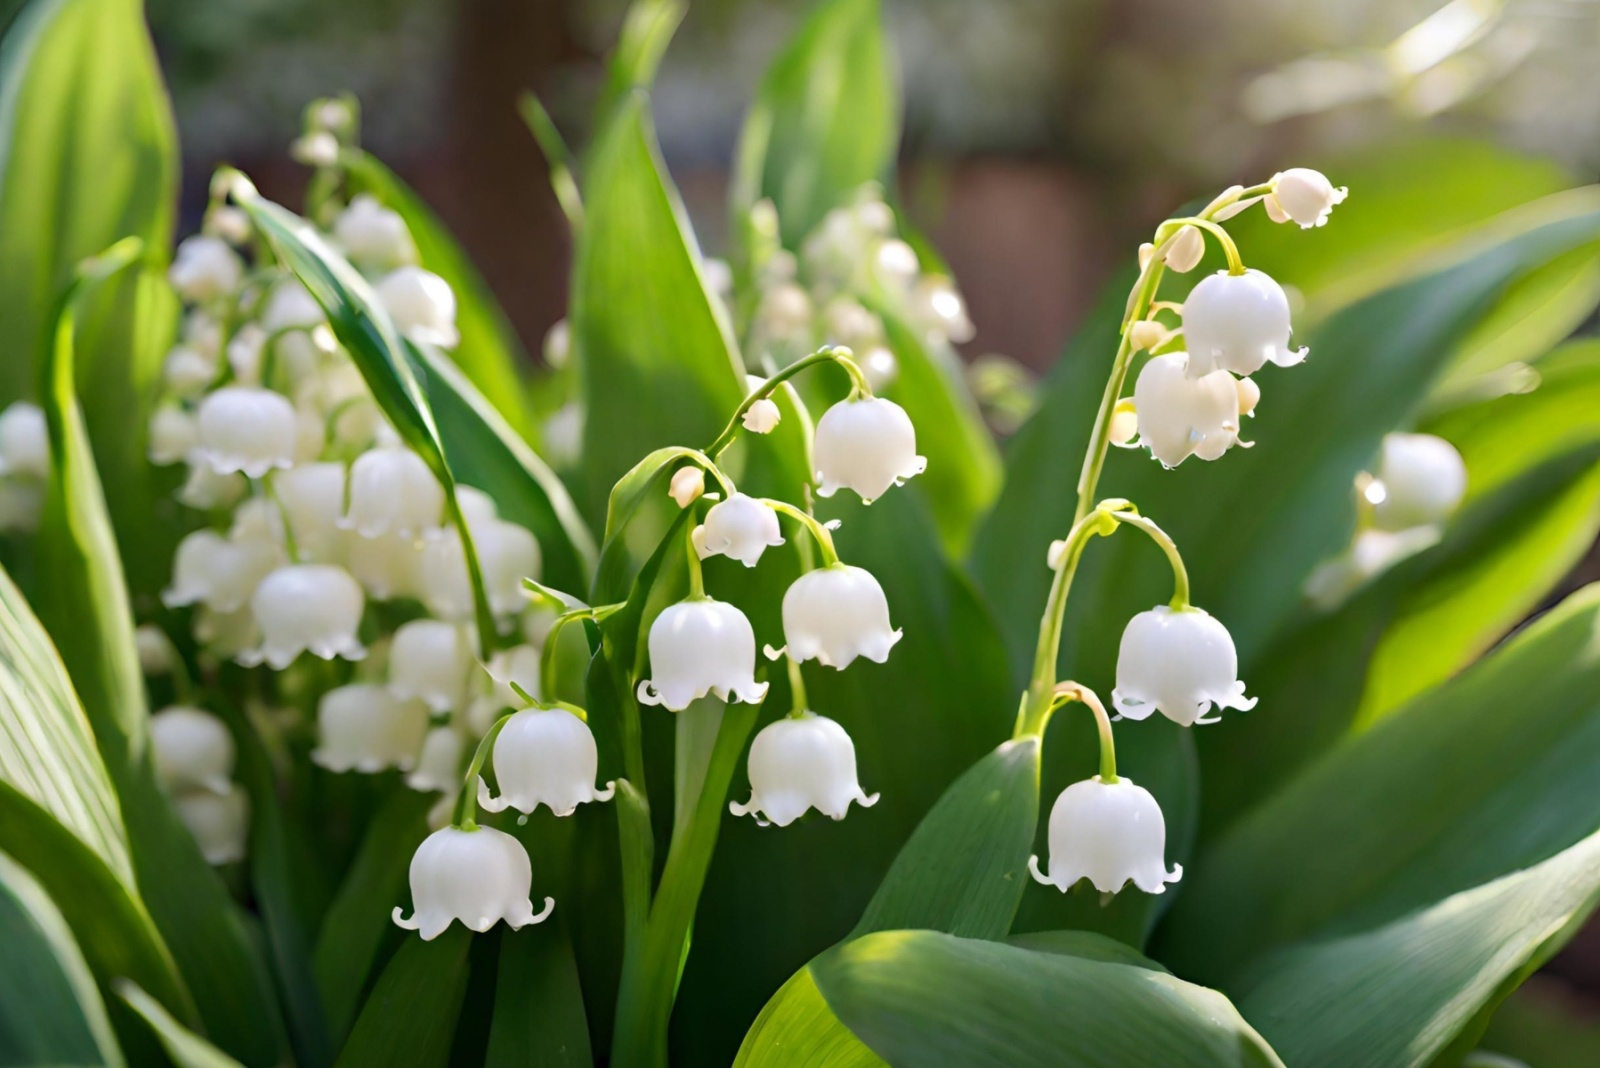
x,y
439,763
763,416
388,566
479,877
430,659
187,371
174,433
24,441
1304,195
507,554
312,496
246,429
246,350
1237,323
363,727
301,608
221,573
1179,417
1108,833
740,528
688,485
798,764
1179,662
1423,480
205,489
701,646
422,305
291,307
192,750
544,756
220,823
834,614
392,490
372,235
938,307
205,268
867,446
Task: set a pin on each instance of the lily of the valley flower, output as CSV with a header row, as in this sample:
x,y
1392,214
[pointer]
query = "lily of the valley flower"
x,y
688,484
364,727
192,750
762,417
246,429
867,446
312,497
372,235
507,554
798,764
24,441
220,823
1179,662
1304,195
187,371
389,566
392,490
479,877
313,608
834,614
740,528
174,433
439,762
422,305
1108,833
1179,416
1237,323
221,573
701,646
1423,480
429,659
205,268
544,756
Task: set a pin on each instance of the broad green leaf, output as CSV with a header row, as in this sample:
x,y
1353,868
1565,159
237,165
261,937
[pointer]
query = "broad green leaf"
x,y
1397,995
50,1010
538,1005
825,120
489,352
797,1029
657,360
185,1048
1473,779
88,155
410,1017
931,999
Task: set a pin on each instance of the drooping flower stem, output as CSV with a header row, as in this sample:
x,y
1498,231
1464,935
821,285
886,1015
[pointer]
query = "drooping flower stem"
x,y
799,705
1067,692
466,813
1180,574
833,354
697,581
818,531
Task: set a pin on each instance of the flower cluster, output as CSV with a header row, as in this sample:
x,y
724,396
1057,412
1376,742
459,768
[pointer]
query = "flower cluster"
x,y
193,754
24,465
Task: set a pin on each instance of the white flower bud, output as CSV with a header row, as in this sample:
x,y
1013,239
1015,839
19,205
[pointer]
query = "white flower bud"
x,y
393,491
220,823
1306,196
880,367
21,504
203,333
558,345
834,614
1372,552
430,660
372,235
1108,833
873,216
246,429
938,306
192,750
477,507
24,441
319,148
229,223
388,566
867,446
784,316
291,307
1249,395
846,322
740,528
687,485
718,276
1237,323
313,608
1179,416
799,764
221,573
1146,334
1179,662
895,265
479,877
245,351
187,371
422,305
205,268
333,115
365,728
312,496
544,757
563,434
1187,248
174,433
439,763
507,554
1424,479
1124,422
205,489
155,649
763,416
697,647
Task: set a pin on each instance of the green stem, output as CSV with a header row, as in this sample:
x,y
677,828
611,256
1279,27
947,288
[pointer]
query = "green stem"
x,y
834,354
1180,574
270,491
1229,249
1068,692
697,581
818,531
1036,708
1100,437
467,801
799,705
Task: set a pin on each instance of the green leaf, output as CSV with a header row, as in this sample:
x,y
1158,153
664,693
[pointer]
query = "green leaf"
x,y
489,351
930,999
825,120
556,155
185,1048
1473,779
797,1029
50,1011
658,363
410,1018
646,32
538,1005
1398,994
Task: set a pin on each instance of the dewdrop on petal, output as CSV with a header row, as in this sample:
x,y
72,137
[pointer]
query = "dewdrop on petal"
x,y
867,446
479,877
439,762
392,490
246,429
834,614
422,306
372,235
798,764
1237,323
740,528
687,485
1179,416
205,268
544,756
174,433
1108,833
1424,479
363,727
220,823
313,608
24,441
701,646
1304,195
429,659
1180,662
192,750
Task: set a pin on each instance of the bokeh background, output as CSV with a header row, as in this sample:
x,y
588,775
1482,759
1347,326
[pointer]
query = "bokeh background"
x,y
1043,138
